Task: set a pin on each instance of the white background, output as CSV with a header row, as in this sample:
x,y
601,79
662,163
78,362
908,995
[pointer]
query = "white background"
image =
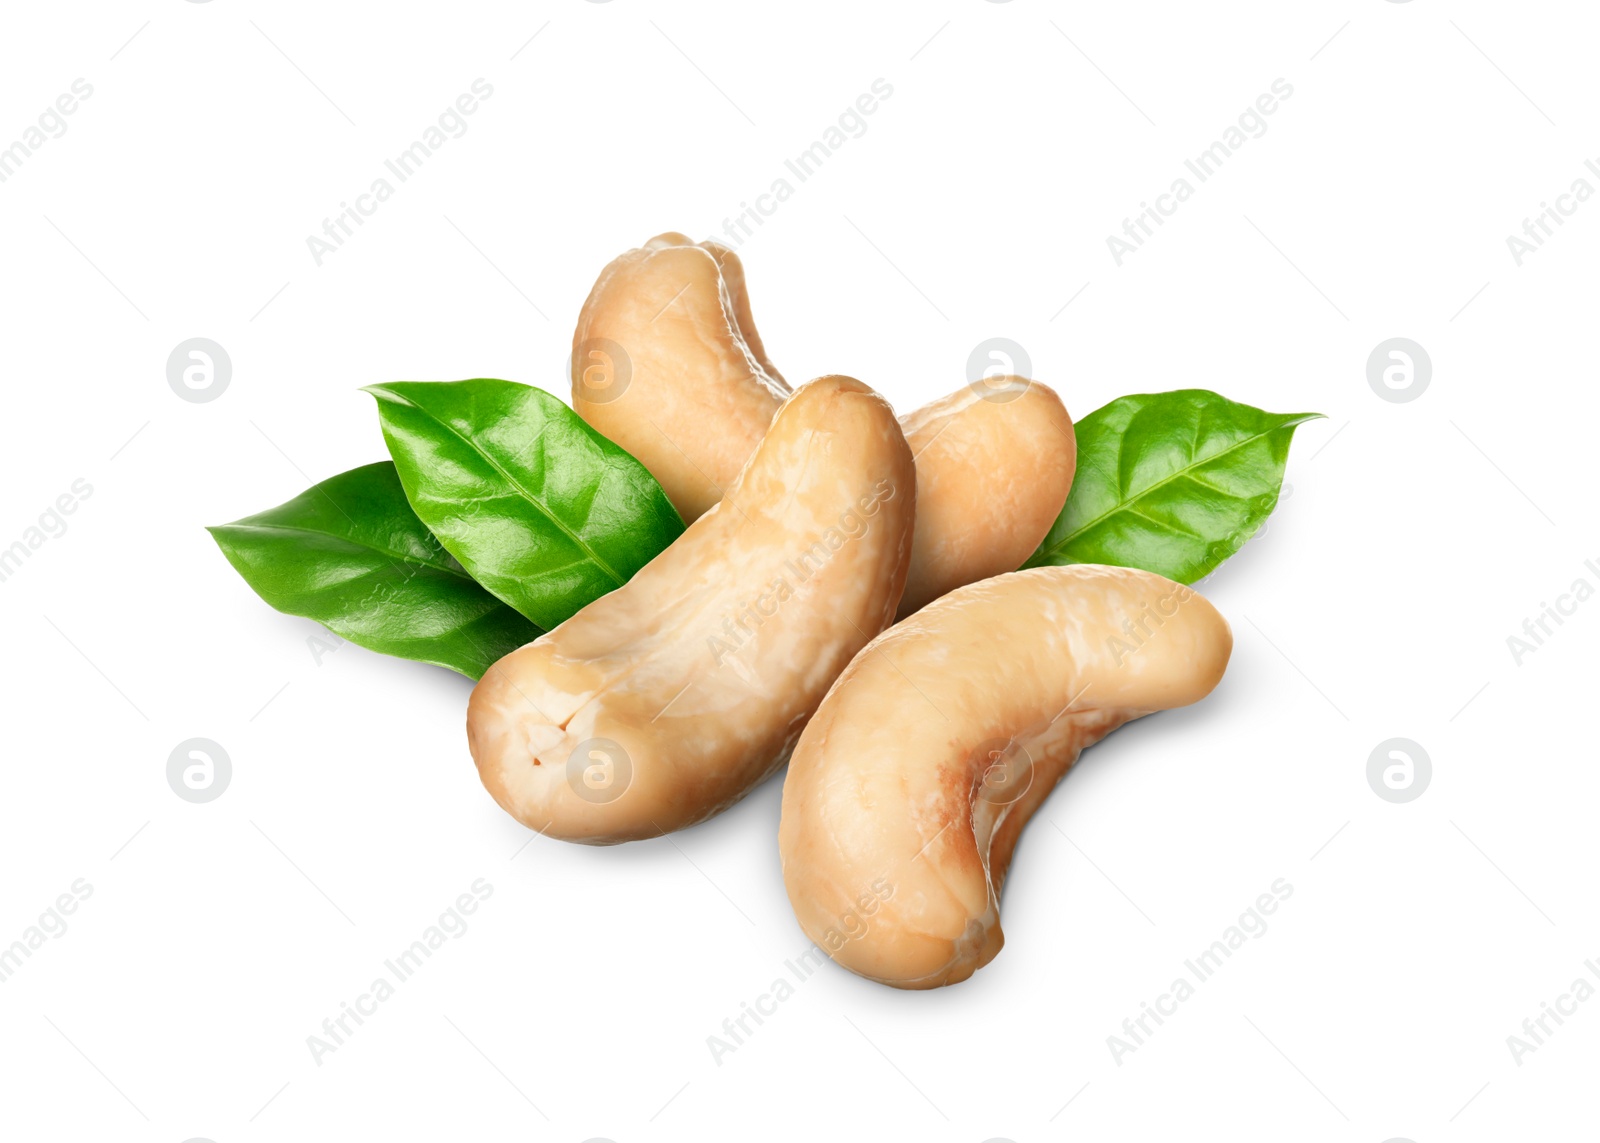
x,y
1417,537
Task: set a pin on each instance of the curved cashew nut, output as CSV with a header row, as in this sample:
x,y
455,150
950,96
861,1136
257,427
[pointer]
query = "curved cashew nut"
x,y
667,700
667,362
908,790
992,476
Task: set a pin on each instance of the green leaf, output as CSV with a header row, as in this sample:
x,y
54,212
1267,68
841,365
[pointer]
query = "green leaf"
x,y
1173,483
351,554
539,508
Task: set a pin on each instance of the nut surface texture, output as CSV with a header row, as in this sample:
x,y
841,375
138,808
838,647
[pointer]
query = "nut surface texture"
x,y
992,476
909,788
668,699
666,362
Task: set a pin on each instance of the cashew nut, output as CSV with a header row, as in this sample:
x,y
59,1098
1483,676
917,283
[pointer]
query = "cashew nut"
x,y
665,701
666,362
909,788
994,466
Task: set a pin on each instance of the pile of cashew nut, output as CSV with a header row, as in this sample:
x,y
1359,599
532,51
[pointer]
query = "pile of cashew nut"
x,y
844,600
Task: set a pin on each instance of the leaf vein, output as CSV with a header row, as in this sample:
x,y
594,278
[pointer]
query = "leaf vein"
x,y
1122,504
526,493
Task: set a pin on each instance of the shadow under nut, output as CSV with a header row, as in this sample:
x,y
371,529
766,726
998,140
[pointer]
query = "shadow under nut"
x,y
667,700
907,792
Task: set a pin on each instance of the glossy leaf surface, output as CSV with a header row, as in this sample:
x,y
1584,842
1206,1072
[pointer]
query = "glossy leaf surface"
x,y
1173,483
352,555
539,508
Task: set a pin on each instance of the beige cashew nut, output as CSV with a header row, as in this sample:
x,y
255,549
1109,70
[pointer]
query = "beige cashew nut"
x,y
992,476
667,362
667,700
911,785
